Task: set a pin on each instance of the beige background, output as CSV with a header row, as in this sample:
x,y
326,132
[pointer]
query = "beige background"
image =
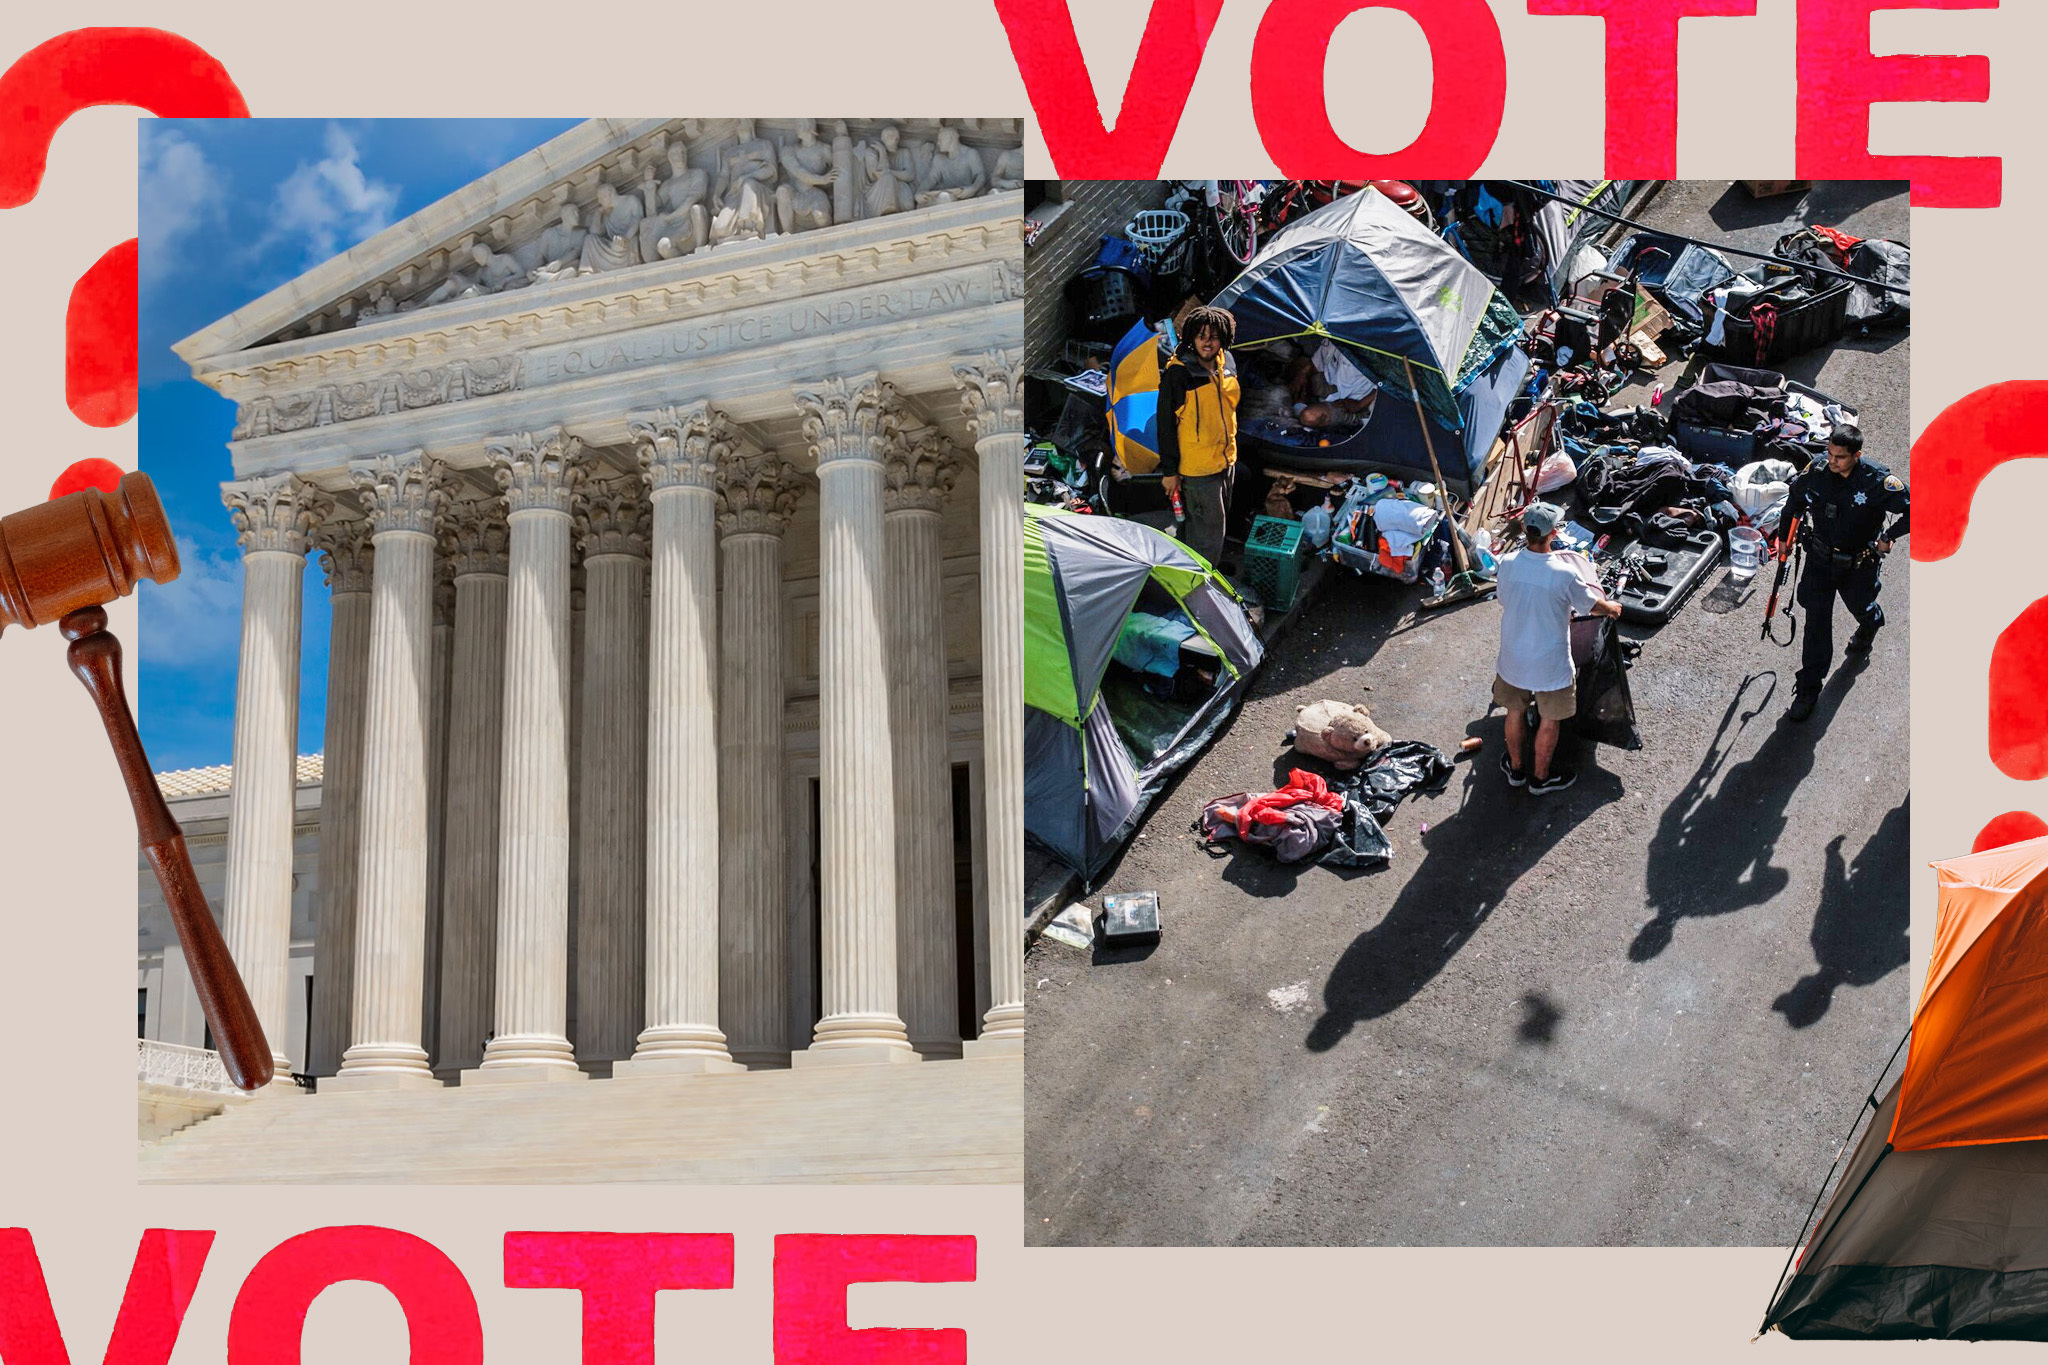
x,y
66,837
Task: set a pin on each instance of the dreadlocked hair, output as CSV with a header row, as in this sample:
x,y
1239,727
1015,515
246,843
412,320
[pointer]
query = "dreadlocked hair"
x,y
1203,315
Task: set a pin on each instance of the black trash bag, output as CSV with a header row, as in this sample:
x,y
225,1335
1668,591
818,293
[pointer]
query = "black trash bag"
x,y
1730,396
1359,841
1401,769
1607,712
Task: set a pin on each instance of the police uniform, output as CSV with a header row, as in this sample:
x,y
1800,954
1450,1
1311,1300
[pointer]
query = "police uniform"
x,y
1842,519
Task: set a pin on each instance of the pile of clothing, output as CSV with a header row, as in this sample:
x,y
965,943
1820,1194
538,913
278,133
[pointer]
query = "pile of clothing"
x,y
1764,414
1332,821
1633,485
1381,526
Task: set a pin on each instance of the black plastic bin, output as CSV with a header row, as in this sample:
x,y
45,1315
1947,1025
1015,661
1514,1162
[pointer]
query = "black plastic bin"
x,y
1808,324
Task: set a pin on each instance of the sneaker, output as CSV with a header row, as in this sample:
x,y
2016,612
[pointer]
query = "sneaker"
x,y
1859,644
1556,782
1511,772
1801,707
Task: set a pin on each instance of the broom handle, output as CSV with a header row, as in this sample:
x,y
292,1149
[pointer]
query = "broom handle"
x,y
1442,499
95,656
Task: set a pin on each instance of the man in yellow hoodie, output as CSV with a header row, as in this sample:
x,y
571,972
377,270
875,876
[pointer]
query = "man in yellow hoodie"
x,y
1198,395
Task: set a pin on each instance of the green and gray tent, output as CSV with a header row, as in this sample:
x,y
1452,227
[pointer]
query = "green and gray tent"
x,y
1101,733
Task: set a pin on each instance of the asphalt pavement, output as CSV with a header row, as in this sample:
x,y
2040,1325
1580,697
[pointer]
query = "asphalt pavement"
x,y
1638,1012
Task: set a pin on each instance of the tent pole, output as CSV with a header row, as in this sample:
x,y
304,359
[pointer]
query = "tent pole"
x,y
1869,1102
1443,501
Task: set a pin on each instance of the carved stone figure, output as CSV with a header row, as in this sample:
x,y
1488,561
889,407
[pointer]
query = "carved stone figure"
x,y
559,250
891,173
956,172
1009,172
846,180
493,272
678,220
743,205
614,239
803,200
380,305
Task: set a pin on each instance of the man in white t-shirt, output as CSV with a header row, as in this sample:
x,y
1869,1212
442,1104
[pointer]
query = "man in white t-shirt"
x,y
1541,589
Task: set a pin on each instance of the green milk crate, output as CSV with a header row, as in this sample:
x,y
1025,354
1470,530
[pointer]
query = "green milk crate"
x,y
1273,562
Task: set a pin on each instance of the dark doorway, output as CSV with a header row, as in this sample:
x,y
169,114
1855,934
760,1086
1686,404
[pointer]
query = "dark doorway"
x,y
817,910
963,900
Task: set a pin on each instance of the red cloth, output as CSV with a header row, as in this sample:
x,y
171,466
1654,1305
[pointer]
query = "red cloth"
x,y
1841,240
1265,808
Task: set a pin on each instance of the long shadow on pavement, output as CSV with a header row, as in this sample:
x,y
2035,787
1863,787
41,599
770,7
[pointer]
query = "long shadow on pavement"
x,y
1859,932
1473,861
1712,853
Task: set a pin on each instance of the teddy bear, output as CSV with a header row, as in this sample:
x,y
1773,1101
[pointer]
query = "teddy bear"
x,y
1338,732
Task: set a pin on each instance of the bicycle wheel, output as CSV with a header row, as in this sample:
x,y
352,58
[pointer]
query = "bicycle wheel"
x,y
1237,228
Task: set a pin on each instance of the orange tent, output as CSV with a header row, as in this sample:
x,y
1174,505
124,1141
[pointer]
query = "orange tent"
x,y
1939,1227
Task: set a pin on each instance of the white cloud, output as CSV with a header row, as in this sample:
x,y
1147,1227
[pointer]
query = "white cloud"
x,y
331,203
179,191
195,621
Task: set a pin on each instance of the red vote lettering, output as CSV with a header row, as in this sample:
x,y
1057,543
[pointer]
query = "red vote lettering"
x,y
2018,710
1056,79
269,1316
160,1287
1290,106
2009,828
1965,441
1642,75
811,1276
619,1274
1839,80
168,75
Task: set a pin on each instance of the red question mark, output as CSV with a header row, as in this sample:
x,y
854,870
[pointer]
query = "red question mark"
x,y
169,76
1966,441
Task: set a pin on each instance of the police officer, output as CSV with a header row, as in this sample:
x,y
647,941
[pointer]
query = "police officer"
x,y
1850,511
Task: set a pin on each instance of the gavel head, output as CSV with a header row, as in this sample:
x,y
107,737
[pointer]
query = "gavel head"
x,y
83,550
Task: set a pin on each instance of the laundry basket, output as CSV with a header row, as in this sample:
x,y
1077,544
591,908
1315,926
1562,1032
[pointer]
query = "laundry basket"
x,y
1154,230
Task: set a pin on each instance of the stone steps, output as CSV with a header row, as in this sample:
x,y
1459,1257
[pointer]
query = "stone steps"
x,y
942,1122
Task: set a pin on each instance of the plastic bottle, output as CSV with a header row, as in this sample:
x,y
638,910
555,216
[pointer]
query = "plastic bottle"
x,y
1436,582
1180,515
1657,394
1315,525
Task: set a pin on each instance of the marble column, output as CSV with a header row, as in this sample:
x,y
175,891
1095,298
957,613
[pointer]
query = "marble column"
x,y
683,816
347,556
992,398
440,677
920,467
841,420
401,495
538,473
273,517
474,540
757,492
612,530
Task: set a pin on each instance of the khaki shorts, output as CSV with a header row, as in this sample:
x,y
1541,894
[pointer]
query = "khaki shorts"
x,y
1562,704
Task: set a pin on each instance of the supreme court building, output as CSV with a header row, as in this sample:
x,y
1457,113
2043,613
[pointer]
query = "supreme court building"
x,y
667,482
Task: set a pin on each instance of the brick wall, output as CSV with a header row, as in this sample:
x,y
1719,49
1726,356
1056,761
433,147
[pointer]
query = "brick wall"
x,y
1068,246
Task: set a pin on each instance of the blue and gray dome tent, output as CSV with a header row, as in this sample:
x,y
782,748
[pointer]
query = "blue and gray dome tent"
x,y
1362,273
1090,582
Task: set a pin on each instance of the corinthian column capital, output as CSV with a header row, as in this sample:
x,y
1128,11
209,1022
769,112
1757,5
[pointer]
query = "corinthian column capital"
x,y
919,466
475,538
992,392
843,418
613,518
675,446
757,491
347,554
403,492
275,512
538,470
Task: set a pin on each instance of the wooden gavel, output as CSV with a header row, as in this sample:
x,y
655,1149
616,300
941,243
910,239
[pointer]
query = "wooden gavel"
x,y
60,561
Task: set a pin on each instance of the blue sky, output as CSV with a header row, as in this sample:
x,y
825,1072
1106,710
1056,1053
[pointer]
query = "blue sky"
x,y
229,210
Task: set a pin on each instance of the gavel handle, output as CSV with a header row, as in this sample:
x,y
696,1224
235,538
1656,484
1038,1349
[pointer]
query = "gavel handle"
x,y
95,656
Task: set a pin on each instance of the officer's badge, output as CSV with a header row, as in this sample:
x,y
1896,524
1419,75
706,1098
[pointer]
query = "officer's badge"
x,y
1861,499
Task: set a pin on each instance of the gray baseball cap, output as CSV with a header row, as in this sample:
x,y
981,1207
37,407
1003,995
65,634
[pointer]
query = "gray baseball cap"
x,y
1541,518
